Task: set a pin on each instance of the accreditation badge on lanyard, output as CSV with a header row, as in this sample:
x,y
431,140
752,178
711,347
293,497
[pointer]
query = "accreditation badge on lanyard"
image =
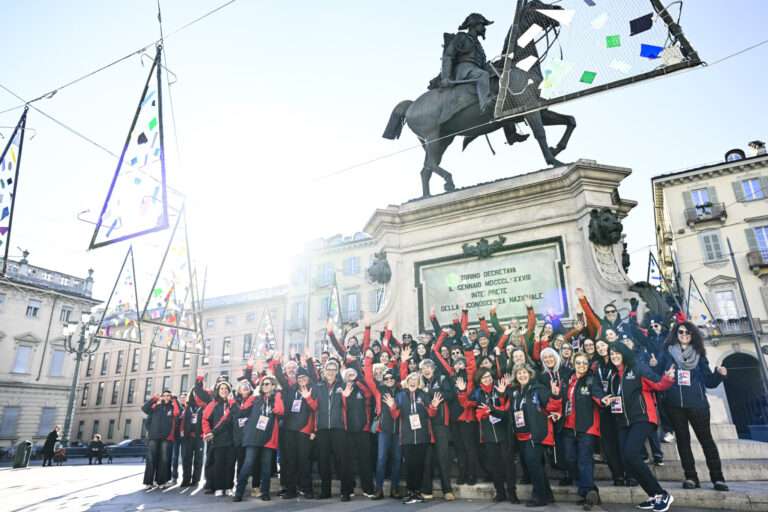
x,y
684,377
520,419
296,405
617,405
194,418
262,423
414,418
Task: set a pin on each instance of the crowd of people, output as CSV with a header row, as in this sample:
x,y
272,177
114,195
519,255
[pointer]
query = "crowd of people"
x,y
477,403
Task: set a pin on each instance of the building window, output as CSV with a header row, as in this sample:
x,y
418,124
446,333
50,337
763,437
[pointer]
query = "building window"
x,y
206,359
136,360
91,364
229,320
761,240
210,322
247,346
22,360
166,383
104,363
120,361
2,300
711,246
184,385
127,429
250,316
725,301
115,392
84,400
325,274
352,307
95,428
152,359
700,197
148,389
375,297
33,308
298,312
111,429
65,313
57,363
352,266
80,428
100,393
10,420
185,362
47,419
226,349
752,189
325,306
131,391
168,359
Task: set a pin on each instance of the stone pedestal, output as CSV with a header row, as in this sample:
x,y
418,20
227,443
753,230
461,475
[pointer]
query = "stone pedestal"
x,y
536,247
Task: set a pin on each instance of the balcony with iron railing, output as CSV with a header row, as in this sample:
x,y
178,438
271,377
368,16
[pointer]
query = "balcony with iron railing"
x,y
725,327
705,212
758,262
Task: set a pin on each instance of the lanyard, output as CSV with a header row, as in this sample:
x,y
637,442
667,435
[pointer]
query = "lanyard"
x,y
413,404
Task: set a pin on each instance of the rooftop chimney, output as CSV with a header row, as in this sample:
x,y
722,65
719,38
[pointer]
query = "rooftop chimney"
x,y
758,147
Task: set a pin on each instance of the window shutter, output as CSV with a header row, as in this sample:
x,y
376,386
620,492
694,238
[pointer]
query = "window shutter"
x,y
712,193
764,186
717,246
705,250
751,240
738,191
687,200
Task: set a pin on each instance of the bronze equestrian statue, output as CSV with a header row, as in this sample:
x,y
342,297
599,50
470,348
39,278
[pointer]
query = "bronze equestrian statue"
x,y
458,102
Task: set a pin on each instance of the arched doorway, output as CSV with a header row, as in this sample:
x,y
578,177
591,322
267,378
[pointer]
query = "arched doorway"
x,y
746,400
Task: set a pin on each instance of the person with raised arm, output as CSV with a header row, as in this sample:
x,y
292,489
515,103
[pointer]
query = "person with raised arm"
x,y
161,413
604,371
217,432
439,454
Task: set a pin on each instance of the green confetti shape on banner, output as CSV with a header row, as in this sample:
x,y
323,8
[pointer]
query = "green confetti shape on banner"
x,y
153,123
613,41
588,77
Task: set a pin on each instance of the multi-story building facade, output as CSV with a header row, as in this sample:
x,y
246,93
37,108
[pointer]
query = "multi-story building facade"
x,y
35,369
118,379
340,261
699,214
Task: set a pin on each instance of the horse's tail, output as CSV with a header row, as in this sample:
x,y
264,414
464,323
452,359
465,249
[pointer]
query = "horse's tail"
x,y
396,121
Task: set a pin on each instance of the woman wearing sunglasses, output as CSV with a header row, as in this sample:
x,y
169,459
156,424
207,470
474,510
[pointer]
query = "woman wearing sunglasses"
x,y
687,402
581,428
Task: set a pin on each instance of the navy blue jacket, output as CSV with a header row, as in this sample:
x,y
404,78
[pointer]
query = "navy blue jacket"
x,y
695,395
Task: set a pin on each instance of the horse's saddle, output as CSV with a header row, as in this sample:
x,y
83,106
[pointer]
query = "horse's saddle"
x,y
456,98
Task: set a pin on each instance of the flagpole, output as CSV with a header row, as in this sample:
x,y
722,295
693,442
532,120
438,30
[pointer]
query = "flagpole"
x,y
21,125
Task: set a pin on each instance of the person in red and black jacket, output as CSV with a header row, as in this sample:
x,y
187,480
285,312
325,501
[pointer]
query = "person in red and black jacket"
x,y
298,428
261,412
387,430
239,413
604,371
413,409
330,431
439,455
530,407
554,373
631,399
356,402
192,434
491,406
161,414
582,396
217,432
463,423
174,447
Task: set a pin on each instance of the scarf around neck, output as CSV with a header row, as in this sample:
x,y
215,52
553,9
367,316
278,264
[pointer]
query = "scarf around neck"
x,y
687,359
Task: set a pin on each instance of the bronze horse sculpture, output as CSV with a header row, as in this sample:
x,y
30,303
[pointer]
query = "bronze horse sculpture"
x,y
441,114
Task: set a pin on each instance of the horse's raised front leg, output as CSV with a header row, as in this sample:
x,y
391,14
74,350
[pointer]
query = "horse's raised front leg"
x,y
550,118
537,127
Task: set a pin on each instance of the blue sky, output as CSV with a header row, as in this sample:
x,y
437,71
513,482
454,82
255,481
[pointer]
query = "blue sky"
x,y
272,95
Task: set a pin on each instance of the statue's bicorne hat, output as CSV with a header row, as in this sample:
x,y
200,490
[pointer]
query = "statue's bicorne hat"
x,y
473,19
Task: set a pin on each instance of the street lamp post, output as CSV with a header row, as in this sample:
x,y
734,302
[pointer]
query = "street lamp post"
x,y
85,346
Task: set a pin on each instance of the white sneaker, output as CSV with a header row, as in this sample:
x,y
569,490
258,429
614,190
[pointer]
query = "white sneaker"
x,y
669,437
219,493
229,492
149,487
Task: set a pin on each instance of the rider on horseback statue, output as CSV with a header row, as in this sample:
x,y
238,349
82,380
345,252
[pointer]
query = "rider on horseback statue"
x,y
464,59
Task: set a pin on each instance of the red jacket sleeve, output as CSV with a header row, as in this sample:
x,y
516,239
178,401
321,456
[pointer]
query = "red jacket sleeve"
x,y
436,349
207,429
664,384
370,380
366,339
593,322
464,321
279,408
403,370
531,322
484,327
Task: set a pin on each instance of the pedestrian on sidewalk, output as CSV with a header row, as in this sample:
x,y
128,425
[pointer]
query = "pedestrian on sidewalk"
x,y
48,447
95,449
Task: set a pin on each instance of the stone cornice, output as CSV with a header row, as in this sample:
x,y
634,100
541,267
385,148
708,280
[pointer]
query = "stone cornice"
x,y
713,171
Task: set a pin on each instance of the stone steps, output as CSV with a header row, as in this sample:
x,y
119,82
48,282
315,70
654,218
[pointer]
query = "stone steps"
x,y
734,470
743,496
728,449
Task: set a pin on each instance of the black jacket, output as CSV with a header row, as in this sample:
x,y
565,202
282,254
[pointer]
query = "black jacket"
x,y
161,420
493,428
192,421
636,387
217,419
330,412
583,402
259,419
416,404
693,396
535,403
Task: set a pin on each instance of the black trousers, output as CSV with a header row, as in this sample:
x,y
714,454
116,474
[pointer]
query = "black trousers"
x,y
533,454
333,444
681,417
359,444
609,444
438,458
222,471
500,461
156,468
191,459
466,441
295,462
414,455
47,459
632,443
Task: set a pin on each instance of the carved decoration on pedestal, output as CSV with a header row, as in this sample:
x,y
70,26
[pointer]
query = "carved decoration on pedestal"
x,y
605,234
483,248
379,271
